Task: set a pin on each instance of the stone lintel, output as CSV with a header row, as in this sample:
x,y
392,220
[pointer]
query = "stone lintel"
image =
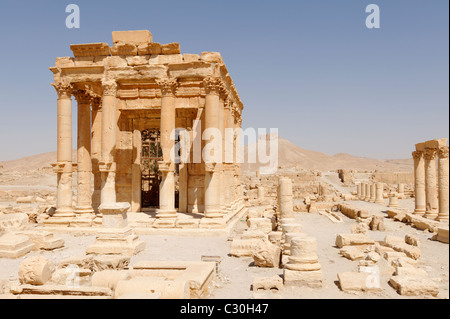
x,y
90,49
136,37
437,143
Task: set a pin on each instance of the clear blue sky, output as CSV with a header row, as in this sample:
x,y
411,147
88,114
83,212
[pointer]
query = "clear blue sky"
x,y
310,68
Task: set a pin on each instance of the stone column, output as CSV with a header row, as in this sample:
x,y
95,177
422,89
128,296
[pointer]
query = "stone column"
x,y
401,189
358,190
136,188
367,198
430,183
393,200
84,164
96,151
167,166
212,174
63,167
303,267
109,127
419,183
443,176
285,201
379,193
222,99
363,191
372,193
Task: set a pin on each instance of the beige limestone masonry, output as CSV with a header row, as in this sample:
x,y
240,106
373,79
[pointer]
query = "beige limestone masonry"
x,y
121,91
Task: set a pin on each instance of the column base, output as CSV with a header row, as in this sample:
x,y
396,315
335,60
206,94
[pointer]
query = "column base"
x,y
419,212
212,223
169,213
442,219
116,241
431,215
214,214
379,202
84,210
64,212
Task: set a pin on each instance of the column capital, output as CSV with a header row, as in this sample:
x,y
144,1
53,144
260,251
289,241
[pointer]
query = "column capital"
x,y
417,155
443,152
430,154
96,103
64,90
109,88
167,86
212,85
82,96
223,92
229,104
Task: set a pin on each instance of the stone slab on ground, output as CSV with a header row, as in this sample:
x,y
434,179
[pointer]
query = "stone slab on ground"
x,y
414,286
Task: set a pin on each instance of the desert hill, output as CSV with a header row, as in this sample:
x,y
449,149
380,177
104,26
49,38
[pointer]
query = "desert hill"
x,y
289,155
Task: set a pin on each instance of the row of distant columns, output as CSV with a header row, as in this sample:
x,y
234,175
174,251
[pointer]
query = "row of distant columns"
x,y
370,192
431,193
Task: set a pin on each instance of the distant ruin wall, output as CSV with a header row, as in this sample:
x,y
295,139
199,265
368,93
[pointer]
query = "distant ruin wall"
x,y
393,178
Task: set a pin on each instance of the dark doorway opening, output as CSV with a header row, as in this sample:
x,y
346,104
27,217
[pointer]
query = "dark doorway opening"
x,y
151,176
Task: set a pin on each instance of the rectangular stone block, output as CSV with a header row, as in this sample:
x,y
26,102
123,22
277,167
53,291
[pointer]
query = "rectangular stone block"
x,y
132,37
414,286
442,235
356,281
353,239
311,279
15,246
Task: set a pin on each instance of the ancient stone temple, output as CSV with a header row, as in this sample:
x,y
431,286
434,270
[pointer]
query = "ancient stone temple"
x,y
131,99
